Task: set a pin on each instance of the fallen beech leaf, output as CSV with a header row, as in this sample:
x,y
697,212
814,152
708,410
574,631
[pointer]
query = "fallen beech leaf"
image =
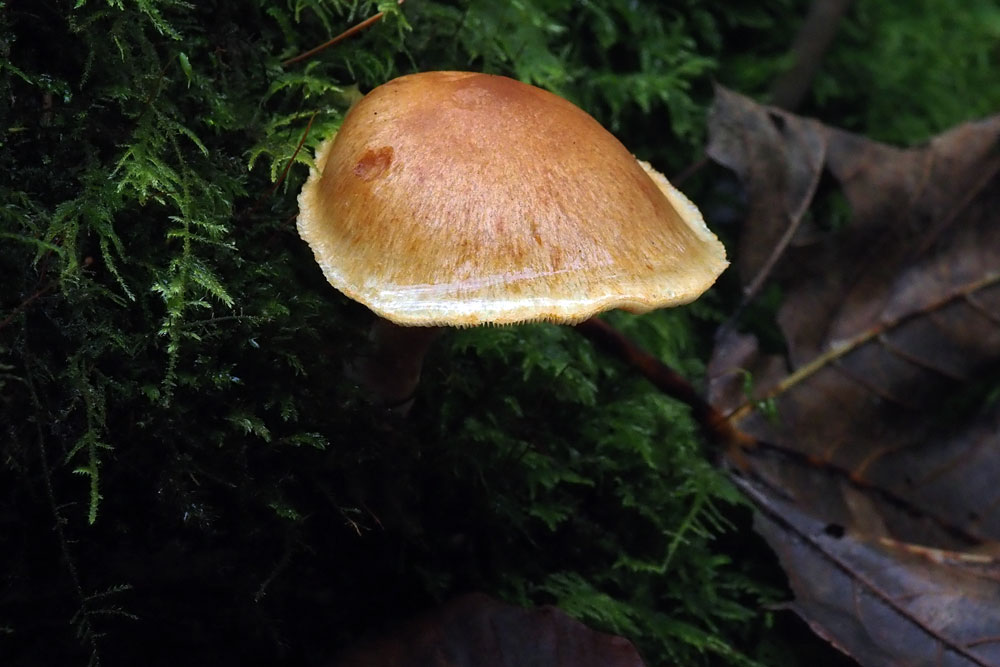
x,y
887,321
879,601
477,631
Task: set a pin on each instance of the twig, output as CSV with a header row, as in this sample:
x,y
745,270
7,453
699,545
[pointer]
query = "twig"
x,y
284,172
27,302
279,567
813,40
811,44
39,291
715,424
342,36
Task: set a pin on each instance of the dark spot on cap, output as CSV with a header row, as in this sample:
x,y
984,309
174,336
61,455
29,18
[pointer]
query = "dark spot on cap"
x,y
373,163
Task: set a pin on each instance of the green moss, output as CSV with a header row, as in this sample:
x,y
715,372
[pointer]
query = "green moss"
x,y
904,73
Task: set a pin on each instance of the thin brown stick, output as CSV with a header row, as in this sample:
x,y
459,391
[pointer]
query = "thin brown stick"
x,y
24,304
715,424
811,44
339,38
40,291
295,153
284,172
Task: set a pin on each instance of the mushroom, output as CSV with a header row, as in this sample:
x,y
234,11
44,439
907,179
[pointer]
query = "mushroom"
x,y
460,199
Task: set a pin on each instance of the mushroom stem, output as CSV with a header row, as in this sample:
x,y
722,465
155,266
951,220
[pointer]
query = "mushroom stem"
x,y
391,371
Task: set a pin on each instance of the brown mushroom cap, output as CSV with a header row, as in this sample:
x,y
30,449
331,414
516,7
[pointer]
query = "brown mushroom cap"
x,y
455,198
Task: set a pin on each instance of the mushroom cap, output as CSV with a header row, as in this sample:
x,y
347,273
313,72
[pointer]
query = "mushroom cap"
x,y
457,198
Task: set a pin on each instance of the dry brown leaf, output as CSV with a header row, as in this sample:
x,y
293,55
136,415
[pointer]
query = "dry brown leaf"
x,y
887,322
478,631
883,602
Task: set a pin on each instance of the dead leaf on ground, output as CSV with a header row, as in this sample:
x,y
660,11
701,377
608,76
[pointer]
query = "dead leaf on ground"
x,y
881,601
478,631
879,477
